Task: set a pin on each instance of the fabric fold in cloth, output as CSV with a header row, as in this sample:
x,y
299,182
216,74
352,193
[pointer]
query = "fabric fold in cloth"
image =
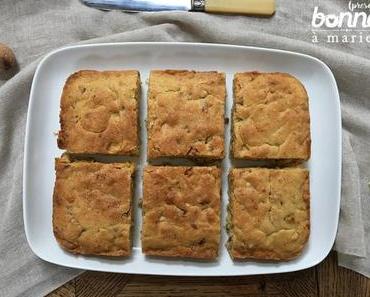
x,y
349,258
350,219
33,29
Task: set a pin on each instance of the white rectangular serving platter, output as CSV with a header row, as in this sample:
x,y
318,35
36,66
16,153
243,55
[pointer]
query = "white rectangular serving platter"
x,y
41,147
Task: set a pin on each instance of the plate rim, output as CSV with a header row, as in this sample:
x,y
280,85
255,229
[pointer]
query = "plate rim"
x,y
57,51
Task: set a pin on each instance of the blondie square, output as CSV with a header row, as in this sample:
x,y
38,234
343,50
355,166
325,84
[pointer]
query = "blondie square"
x,y
269,213
271,117
181,212
92,207
99,113
186,114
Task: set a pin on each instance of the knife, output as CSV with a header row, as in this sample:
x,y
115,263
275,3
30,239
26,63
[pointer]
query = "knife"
x,y
255,7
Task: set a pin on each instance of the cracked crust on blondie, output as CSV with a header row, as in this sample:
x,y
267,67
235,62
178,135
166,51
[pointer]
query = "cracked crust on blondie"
x,y
186,114
181,212
268,213
271,117
99,113
92,207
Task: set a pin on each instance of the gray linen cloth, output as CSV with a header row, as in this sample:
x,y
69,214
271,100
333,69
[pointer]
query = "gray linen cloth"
x,y
33,28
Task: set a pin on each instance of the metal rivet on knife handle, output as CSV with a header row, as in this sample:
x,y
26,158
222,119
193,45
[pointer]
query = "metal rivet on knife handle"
x,y
198,5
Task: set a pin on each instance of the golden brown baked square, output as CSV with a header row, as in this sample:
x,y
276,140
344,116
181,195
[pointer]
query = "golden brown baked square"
x,y
181,212
99,113
271,117
92,207
186,114
269,213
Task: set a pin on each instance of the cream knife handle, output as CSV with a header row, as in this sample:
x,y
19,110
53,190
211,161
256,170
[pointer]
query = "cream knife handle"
x,y
261,7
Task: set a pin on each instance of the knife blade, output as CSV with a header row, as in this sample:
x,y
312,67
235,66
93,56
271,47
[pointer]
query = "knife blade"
x,y
256,7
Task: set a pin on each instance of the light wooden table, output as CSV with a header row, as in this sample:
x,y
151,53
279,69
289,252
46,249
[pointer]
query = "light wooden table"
x,y
324,280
